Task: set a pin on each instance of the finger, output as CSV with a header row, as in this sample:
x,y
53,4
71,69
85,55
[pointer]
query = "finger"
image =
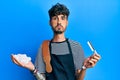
x,y
16,61
13,59
86,60
96,57
94,60
96,54
91,63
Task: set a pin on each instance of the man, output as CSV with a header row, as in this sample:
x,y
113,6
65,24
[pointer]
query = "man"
x,y
67,57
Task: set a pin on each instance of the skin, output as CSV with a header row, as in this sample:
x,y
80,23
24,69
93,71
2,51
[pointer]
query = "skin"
x,y
59,24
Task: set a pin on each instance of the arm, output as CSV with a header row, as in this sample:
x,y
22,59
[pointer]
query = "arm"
x,y
30,67
81,74
39,76
88,63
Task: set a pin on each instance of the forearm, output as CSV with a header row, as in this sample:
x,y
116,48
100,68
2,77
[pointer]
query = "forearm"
x,y
39,76
81,75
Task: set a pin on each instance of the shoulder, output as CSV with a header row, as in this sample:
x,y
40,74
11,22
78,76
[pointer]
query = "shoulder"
x,y
76,46
74,43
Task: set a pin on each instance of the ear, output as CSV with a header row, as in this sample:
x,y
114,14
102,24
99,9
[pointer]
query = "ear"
x,y
49,22
67,22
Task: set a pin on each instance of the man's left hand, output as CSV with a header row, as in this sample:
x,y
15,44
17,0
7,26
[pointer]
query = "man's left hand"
x,y
92,60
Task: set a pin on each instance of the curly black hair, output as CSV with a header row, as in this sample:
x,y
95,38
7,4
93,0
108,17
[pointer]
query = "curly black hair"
x,y
58,9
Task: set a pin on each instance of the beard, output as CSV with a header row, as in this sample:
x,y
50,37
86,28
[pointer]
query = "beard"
x,y
57,30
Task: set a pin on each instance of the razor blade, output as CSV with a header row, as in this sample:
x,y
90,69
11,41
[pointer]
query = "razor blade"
x,y
91,47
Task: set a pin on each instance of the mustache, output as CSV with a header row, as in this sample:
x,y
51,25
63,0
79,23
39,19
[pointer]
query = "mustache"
x,y
58,25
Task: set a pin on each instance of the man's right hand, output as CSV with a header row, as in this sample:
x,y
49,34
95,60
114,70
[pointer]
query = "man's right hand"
x,y
29,65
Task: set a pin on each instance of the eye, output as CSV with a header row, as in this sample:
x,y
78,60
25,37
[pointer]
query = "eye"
x,y
54,18
63,17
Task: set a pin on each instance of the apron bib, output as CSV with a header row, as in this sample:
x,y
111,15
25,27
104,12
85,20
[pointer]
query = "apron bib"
x,y
62,66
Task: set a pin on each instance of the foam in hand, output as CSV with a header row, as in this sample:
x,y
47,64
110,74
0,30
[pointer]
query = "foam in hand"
x,y
22,58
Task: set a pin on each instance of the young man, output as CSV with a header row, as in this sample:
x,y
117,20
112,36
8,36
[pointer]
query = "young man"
x,y
67,57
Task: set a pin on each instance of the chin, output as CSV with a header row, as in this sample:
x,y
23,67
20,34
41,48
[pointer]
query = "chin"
x,y
58,32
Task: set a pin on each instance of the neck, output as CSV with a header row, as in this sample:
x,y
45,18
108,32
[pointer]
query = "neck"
x,y
59,37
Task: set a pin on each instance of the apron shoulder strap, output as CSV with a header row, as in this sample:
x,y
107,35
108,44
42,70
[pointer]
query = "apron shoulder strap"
x,y
46,55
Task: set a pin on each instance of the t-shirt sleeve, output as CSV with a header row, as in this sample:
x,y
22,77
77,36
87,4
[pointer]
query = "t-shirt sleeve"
x,y
39,63
78,55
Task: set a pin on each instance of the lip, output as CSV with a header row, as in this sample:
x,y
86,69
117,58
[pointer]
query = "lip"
x,y
58,26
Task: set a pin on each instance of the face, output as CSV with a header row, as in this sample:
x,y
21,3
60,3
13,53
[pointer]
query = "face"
x,y
59,23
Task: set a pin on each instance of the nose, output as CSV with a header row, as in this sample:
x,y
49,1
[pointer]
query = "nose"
x,y
58,21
